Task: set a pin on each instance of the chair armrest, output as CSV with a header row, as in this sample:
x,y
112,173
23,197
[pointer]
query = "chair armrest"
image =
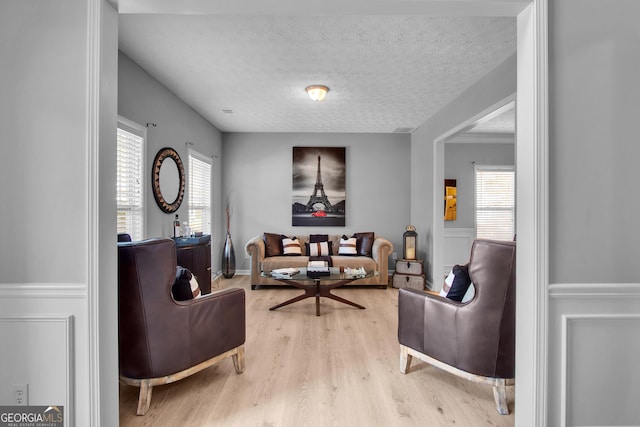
x,y
217,323
426,321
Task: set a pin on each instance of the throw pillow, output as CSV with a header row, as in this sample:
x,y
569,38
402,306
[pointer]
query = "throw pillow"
x,y
315,238
347,246
364,243
468,296
319,249
471,292
460,284
185,286
272,244
291,246
447,284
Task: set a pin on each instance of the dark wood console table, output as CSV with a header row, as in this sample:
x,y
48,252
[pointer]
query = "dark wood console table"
x,y
194,253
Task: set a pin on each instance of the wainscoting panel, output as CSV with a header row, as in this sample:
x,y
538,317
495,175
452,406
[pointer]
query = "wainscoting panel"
x,y
594,349
457,247
41,330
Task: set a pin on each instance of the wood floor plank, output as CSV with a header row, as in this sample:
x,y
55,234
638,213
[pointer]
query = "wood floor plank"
x,y
339,369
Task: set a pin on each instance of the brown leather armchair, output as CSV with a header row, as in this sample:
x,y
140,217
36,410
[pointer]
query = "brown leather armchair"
x,y
474,340
162,340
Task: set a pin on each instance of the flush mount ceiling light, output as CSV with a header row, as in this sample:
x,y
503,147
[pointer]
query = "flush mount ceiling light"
x,y
317,92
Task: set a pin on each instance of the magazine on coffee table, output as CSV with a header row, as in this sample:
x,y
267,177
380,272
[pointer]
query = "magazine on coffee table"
x,y
318,268
284,273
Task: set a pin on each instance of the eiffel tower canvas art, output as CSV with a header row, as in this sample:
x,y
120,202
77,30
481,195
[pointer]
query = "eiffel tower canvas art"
x,y
319,196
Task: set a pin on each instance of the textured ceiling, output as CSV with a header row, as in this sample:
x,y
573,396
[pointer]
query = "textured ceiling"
x,y
385,73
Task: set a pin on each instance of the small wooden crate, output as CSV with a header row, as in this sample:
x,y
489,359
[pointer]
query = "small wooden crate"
x,y
413,281
409,266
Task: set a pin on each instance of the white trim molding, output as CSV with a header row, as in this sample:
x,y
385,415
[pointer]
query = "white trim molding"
x,y
483,138
94,45
532,215
43,290
598,291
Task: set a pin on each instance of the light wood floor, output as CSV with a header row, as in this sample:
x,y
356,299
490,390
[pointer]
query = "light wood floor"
x,y
339,369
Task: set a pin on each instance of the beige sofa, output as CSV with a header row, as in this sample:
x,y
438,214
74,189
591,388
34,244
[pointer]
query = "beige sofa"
x,y
378,261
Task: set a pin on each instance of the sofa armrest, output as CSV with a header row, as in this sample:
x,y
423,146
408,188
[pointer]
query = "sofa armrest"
x,y
255,246
256,250
380,251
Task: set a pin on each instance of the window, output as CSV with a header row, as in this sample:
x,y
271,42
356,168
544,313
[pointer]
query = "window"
x,y
495,202
199,192
129,178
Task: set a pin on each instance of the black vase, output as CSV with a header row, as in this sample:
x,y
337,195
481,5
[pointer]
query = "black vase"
x,y
228,258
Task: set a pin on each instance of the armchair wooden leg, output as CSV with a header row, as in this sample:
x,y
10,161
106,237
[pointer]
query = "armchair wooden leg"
x,y
500,396
405,359
144,399
238,360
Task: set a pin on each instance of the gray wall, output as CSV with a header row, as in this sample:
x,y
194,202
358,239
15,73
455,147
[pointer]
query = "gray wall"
x,y
41,148
458,165
594,290
142,99
257,178
57,127
594,63
499,84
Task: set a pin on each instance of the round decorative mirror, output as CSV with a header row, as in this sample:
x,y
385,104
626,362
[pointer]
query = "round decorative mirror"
x,y
167,180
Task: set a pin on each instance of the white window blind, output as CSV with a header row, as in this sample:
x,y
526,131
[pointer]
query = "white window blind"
x,y
129,184
495,202
199,192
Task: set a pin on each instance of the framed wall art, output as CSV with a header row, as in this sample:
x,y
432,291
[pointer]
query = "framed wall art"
x,y
450,200
319,186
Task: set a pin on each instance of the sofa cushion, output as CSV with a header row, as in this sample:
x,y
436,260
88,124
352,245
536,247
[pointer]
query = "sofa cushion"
x,y
185,286
364,243
350,261
272,244
347,246
315,238
291,246
283,261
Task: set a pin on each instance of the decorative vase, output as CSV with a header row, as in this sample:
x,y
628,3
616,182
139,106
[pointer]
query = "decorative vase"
x,y
228,258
